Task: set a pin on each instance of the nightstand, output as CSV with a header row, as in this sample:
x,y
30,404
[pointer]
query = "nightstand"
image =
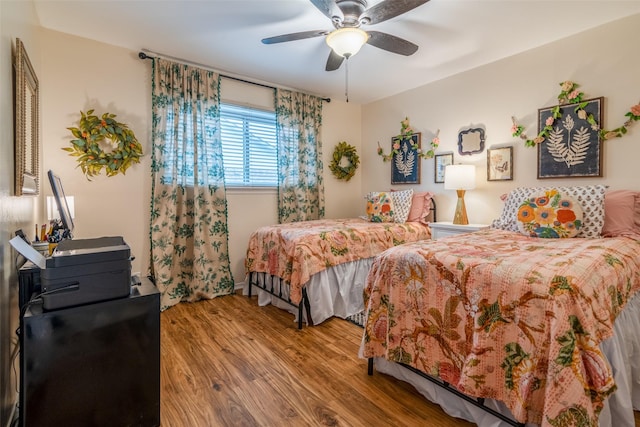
x,y
442,229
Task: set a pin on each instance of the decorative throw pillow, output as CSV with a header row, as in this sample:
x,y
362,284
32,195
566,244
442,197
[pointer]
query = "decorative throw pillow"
x,y
401,204
550,215
590,198
620,212
380,207
420,207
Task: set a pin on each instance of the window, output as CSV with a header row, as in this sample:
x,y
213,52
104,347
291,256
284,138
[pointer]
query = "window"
x,y
248,146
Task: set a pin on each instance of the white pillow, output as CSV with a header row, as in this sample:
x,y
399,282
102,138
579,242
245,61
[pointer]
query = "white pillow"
x,y
590,197
402,204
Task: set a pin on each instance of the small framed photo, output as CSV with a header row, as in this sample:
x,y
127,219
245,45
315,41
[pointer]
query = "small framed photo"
x,y
500,164
441,161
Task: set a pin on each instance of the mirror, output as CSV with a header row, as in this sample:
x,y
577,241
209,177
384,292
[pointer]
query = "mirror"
x,y
27,124
471,141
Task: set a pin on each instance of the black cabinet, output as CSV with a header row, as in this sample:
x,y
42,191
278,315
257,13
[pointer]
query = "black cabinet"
x,y
92,365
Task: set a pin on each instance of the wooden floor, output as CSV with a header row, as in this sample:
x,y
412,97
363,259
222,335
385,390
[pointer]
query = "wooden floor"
x,y
228,362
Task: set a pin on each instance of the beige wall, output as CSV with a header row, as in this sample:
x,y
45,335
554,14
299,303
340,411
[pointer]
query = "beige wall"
x,y
603,61
80,74
17,20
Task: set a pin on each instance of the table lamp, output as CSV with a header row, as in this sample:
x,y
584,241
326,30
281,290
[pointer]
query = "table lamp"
x,y
460,178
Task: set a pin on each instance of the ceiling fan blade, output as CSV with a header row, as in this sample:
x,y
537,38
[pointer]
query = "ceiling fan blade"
x,y
294,36
334,61
328,8
391,43
388,9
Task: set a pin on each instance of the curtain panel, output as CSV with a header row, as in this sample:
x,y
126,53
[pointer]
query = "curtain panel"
x,y
188,230
300,184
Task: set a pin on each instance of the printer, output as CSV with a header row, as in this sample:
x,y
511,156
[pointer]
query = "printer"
x,y
83,271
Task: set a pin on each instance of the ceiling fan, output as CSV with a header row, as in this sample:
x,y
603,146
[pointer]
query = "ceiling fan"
x,y
347,17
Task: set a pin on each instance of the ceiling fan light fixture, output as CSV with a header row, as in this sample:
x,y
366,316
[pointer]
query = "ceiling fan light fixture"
x,y
347,42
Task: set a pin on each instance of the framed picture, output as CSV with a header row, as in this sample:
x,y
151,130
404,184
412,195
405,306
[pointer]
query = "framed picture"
x,y
572,149
500,164
405,165
441,161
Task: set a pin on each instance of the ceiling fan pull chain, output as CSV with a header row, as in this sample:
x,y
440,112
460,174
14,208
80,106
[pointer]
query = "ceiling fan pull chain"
x,y
346,79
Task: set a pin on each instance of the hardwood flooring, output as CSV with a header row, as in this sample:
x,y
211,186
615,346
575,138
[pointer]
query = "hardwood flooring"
x,y
228,362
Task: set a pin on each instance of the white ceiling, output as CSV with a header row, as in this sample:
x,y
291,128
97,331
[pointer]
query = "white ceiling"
x,y
453,35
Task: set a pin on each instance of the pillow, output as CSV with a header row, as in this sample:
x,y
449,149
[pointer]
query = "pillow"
x,y
402,204
590,198
420,207
550,215
380,207
620,213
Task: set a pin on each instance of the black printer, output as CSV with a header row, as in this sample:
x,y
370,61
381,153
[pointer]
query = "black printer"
x,y
83,271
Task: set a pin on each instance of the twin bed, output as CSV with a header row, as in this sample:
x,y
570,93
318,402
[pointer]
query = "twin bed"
x,y
317,269
542,331
532,331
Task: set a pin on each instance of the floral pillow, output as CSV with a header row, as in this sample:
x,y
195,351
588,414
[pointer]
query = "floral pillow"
x,y
550,215
380,207
590,197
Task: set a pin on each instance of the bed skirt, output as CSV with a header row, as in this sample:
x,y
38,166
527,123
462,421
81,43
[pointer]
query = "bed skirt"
x,y
336,291
622,351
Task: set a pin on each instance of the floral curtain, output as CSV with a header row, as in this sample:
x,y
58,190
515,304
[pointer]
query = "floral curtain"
x,y
189,234
300,185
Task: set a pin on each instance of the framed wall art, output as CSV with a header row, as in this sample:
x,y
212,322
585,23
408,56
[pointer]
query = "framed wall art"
x,y
441,161
405,165
572,147
500,164
27,124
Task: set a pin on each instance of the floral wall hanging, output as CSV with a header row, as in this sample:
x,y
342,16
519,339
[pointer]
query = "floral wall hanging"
x,y
349,153
103,143
570,94
405,134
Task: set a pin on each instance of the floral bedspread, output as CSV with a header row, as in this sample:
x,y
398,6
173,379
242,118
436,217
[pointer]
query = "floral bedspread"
x,y
501,315
296,251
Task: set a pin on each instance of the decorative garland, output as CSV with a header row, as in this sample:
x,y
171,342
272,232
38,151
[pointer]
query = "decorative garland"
x,y
91,157
349,152
571,95
406,131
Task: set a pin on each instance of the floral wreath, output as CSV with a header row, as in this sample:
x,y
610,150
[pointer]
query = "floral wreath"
x,y
406,131
571,95
92,158
349,152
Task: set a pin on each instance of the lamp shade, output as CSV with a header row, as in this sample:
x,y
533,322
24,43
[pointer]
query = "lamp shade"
x,y
347,42
460,177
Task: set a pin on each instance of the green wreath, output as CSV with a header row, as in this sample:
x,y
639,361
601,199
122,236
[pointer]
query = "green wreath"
x,y
92,158
344,150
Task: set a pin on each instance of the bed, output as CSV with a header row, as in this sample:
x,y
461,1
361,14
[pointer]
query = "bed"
x,y
540,331
317,269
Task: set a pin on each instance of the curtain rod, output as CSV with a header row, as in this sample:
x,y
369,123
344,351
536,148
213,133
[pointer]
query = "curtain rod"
x,y
144,55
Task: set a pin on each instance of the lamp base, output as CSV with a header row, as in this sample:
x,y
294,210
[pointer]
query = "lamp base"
x,y
460,217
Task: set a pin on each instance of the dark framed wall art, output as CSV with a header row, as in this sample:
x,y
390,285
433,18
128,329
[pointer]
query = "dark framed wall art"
x,y
441,161
405,165
500,164
572,147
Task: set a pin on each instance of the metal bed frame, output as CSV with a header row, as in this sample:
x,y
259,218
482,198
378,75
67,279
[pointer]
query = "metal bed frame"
x,y
271,289
478,402
304,302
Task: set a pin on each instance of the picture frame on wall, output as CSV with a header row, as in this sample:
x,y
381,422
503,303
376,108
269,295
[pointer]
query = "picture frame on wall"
x,y
405,164
500,164
441,161
572,148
